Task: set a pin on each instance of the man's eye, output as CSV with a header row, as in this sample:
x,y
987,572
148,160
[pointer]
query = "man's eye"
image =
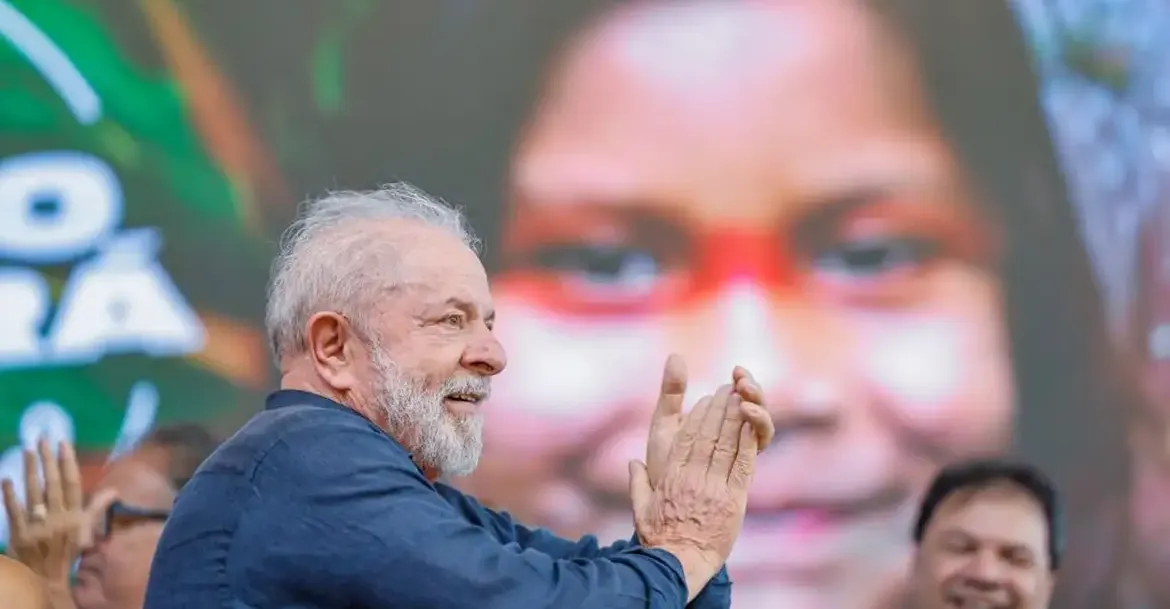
x,y
872,258
454,320
1020,559
959,547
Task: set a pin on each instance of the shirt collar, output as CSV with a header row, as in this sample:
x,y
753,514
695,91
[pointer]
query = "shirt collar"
x,y
284,398
295,397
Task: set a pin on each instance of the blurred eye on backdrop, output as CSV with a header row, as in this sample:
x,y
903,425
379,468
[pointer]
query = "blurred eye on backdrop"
x,y
865,262
610,261
612,270
886,252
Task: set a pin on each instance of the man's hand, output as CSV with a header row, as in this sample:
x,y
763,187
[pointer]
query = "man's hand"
x,y
668,413
667,418
47,532
750,392
696,511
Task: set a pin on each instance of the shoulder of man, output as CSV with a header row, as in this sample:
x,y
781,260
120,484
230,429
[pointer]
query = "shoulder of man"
x,y
276,437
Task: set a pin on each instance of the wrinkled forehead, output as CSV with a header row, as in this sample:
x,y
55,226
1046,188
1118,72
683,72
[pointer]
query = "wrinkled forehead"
x,y
432,263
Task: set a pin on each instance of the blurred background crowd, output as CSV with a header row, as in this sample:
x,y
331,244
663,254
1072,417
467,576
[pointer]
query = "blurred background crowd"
x,y
938,228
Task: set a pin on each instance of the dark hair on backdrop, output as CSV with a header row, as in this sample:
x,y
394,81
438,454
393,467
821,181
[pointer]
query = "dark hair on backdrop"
x,y
187,446
978,474
1073,394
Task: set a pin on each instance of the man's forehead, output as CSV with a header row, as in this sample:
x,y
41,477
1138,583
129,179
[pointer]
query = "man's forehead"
x,y
479,302
1001,511
425,289
432,257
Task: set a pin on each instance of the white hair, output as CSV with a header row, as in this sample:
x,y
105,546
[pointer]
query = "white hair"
x,y
327,260
437,438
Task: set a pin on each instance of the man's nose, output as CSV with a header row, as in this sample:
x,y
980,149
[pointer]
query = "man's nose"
x,y
89,534
485,355
985,572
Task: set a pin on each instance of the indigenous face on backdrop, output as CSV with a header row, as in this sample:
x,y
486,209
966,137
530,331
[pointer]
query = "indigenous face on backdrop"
x,y
757,184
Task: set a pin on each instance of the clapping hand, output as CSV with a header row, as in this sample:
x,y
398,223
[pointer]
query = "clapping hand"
x,y
694,501
668,413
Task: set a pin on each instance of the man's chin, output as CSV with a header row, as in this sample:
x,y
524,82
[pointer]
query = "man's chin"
x,y
87,591
466,429
459,451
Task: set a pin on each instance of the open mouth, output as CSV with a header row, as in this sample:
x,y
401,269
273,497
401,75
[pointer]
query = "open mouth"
x,y
470,399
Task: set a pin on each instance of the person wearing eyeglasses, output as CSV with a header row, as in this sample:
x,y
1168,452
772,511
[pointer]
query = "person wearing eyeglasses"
x,y
115,532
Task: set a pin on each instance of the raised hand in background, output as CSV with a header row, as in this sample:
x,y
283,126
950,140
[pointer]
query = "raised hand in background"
x,y
54,524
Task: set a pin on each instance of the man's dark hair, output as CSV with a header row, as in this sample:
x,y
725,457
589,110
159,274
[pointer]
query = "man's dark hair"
x,y
187,446
977,474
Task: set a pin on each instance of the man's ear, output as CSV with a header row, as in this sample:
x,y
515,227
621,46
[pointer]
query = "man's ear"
x,y
1049,583
333,349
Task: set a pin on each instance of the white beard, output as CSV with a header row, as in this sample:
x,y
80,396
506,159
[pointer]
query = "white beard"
x,y
436,438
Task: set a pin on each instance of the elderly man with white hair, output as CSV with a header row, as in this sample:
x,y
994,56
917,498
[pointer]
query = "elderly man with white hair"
x,y
380,318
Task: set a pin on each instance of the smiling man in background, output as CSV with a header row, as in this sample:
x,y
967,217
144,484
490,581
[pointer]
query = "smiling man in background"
x,y
988,536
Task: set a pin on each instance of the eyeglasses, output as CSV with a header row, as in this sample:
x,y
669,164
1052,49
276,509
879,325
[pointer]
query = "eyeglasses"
x,y
121,516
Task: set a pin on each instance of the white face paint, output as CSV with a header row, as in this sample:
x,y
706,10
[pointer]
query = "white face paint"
x,y
567,375
437,438
919,365
748,339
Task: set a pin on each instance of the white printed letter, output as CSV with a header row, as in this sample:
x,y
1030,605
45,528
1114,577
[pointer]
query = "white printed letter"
x,y
56,206
123,301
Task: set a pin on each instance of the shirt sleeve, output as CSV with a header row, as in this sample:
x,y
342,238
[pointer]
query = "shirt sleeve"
x,y
715,595
383,534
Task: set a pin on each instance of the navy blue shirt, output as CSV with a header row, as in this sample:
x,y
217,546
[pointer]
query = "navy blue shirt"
x,y
311,505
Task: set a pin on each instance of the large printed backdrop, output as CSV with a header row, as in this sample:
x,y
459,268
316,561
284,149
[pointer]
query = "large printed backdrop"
x,y
656,177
